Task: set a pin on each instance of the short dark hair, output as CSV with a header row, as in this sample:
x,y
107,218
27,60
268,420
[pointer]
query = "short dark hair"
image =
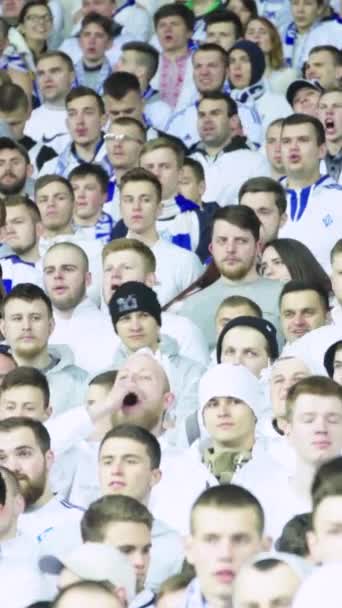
x,y
128,121
85,169
104,22
142,175
60,55
232,109
235,301
265,184
226,16
15,200
104,379
119,84
328,470
320,386
27,376
81,91
6,143
149,56
140,435
305,119
241,216
328,48
38,429
12,98
31,4
293,536
28,293
112,509
210,47
175,10
293,286
195,167
229,496
45,180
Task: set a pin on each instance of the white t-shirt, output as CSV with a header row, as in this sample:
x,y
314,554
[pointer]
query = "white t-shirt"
x,y
48,123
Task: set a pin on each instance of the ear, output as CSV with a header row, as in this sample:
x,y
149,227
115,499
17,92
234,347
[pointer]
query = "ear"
x,y
2,327
189,549
49,459
51,325
266,543
322,151
156,477
150,279
283,219
311,540
169,400
259,247
39,230
48,412
29,170
210,248
88,279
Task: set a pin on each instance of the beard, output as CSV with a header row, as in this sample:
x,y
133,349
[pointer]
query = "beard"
x,y
28,351
236,272
70,300
32,489
14,188
147,419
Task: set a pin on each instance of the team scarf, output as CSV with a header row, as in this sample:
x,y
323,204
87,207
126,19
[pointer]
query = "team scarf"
x,y
249,95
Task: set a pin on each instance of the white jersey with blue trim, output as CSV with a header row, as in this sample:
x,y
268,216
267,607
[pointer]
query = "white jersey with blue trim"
x,y
183,124
277,11
15,270
315,217
58,515
69,160
328,30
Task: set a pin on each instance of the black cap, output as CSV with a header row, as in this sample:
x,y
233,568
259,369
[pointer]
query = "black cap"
x,y
131,297
330,356
301,83
266,328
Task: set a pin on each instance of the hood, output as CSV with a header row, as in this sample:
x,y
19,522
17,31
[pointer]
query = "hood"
x,y
65,357
17,40
256,58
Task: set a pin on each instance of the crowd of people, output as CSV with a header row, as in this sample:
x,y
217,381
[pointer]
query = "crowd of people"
x,y
170,303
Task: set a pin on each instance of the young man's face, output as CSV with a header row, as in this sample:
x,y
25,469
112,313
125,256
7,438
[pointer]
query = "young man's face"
x,y
134,540
16,120
306,101
222,34
94,42
124,146
132,62
131,105
172,33
209,70
23,401
213,122
305,13
239,69
139,206
266,588
330,115
27,327
21,231
220,542
315,429
163,164
14,171
301,312
65,277
20,453
300,151
234,250
84,120
325,540
12,8
89,197
56,206
54,78
285,373
190,186
245,346
264,205
138,330
229,422
120,267
321,66
125,468
273,148
336,276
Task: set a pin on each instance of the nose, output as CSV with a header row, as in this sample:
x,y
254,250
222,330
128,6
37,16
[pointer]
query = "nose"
x,y
139,562
136,324
299,320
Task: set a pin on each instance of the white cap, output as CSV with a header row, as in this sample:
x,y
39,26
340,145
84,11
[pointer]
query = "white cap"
x,y
322,588
226,380
95,562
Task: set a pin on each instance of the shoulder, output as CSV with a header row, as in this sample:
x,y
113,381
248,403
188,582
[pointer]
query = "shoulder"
x,y
69,506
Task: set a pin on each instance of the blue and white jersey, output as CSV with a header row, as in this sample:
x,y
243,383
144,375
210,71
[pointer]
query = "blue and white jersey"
x,y
277,11
69,159
12,60
314,216
15,270
295,44
329,29
101,231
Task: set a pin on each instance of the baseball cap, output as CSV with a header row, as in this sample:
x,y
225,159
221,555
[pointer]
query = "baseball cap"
x,y
227,380
94,562
301,83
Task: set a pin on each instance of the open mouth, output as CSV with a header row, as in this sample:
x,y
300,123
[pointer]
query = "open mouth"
x,y
329,124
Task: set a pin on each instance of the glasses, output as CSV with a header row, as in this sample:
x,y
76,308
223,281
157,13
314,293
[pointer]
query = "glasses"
x,y
39,18
122,137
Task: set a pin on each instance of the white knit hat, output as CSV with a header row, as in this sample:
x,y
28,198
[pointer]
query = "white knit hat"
x,y
227,380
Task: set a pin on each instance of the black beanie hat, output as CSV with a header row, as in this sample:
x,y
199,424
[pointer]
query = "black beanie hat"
x,y
256,57
330,356
266,328
131,297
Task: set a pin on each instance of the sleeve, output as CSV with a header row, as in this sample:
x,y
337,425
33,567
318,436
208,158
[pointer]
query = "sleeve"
x,y
69,428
